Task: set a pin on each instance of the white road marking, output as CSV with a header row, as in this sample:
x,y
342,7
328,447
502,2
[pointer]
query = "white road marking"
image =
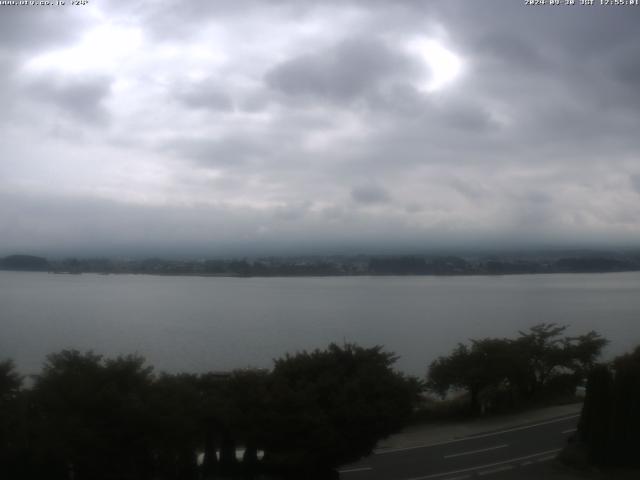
x,y
496,470
461,477
351,470
489,465
571,430
473,437
471,452
545,459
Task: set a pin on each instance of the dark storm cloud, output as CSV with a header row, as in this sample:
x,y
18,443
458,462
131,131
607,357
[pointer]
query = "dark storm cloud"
x,y
85,225
81,97
88,223
627,66
292,212
468,118
587,48
344,72
370,194
513,51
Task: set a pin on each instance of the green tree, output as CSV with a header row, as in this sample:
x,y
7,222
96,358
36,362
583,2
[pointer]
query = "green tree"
x,y
594,427
10,381
539,361
625,414
486,363
177,432
248,396
543,346
552,357
12,433
91,416
610,419
583,351
330,407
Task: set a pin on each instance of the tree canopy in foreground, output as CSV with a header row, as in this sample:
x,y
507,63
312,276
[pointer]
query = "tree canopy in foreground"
x,y
541,361
91,417
610,420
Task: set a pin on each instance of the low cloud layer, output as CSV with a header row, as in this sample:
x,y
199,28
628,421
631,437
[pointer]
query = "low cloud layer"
x,y
318,126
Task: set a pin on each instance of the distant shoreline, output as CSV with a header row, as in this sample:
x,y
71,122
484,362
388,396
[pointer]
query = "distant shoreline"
x,y
360,275
340,266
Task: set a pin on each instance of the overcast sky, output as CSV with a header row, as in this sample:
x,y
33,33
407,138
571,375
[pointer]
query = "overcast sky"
x,y
301,126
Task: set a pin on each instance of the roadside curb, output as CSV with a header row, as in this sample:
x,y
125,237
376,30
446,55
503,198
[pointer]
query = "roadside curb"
x,y
430,434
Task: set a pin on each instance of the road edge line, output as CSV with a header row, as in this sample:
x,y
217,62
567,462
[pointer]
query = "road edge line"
x,y
489,465
472,437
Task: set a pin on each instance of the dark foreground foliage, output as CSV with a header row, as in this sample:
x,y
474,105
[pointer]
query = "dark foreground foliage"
x,y
502,373
89,417
610,421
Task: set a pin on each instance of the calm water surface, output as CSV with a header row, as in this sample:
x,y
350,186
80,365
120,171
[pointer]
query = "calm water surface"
x,y
199,323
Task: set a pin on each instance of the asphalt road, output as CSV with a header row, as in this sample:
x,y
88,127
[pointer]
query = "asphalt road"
x,y
478,456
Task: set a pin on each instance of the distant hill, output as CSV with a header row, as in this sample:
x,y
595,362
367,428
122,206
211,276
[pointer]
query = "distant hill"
x,y
24,262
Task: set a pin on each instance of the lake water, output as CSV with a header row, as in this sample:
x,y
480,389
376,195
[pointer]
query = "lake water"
x,y
206,323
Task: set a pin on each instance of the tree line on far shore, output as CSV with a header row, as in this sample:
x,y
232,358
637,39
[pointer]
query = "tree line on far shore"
x,y
337,265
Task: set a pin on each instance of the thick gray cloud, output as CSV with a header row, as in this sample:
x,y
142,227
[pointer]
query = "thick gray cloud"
x,y
205,95
411,123
33,28
343,72
82,98
225,152
370,194
25,31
